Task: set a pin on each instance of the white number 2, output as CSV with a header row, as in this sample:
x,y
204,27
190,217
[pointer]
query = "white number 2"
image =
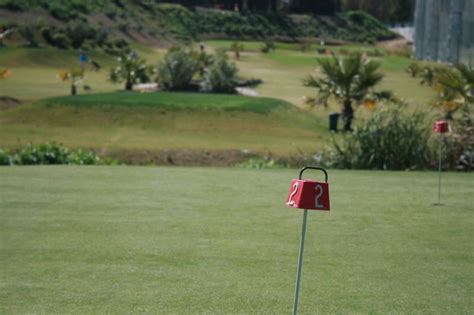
x,y
291,202
319,188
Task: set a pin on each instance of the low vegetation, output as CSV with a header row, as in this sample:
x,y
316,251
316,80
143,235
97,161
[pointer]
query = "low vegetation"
x,y
390,139
49,154
151,20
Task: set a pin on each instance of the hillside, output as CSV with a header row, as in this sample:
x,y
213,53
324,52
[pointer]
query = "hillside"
x,y
105,23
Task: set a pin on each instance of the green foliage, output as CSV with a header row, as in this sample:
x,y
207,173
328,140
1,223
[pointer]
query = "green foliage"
x,y
28,33
414,69
51,153
76,33
61,11
304,45
75,75
237,47
176,70
458,148
263,163
348,80
220,77
131,69
185,23
268,46
345,78
454,86
390,139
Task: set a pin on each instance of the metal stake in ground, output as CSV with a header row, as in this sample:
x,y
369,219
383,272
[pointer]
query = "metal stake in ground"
x,y
439,169
300,263
307,195
440,126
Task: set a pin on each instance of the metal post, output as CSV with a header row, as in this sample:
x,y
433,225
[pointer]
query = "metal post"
x,y
300,262
439,171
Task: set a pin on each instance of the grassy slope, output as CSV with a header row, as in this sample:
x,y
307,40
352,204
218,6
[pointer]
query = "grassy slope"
x,y
34,71
163,121
153,21
188,241
34,76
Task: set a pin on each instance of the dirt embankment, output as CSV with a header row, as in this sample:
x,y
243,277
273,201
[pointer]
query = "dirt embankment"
x,y
7,102
198,157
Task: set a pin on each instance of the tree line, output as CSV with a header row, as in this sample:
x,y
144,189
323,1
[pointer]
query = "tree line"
x,y
387,11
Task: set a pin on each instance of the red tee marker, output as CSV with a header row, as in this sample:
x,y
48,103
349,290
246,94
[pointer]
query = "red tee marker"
x,y
308,194
440,126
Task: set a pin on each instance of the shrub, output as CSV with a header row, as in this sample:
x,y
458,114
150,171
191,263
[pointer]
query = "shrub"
x,y
220,76
458,148
304,45
389,139
28,33
263,163
414,69
77,32
237,47
176,70
60,40
267,47
62,12
51,153
5,158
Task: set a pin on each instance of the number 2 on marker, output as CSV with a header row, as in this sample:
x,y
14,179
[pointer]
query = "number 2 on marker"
x,y
318,195
291,202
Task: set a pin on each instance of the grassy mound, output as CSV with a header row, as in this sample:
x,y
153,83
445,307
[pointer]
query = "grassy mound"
x,y
137,122
175,101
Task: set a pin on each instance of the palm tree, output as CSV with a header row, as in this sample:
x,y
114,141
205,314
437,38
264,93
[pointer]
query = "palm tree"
x,y
131,69
455,86
237,47
348,80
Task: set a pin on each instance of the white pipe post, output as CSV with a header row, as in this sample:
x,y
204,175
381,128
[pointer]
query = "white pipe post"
x,y
439,170
300,262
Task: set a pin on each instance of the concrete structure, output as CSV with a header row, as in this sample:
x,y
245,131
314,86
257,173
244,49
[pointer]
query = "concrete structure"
x,y
444,30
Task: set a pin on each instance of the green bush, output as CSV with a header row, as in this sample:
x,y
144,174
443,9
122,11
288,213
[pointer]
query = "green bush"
x,y
268,46
220,77
263,163
62,12
78,31
28,33
390,139
50,153
5,158
457,148
176,70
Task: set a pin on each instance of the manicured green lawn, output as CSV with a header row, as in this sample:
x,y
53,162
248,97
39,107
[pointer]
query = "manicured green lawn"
x,y
190,240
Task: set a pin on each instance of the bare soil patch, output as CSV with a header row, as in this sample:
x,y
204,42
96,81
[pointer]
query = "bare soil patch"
x,y
7,102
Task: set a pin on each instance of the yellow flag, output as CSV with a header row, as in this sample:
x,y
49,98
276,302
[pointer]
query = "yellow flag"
x,y
369,104
5,73
63,75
